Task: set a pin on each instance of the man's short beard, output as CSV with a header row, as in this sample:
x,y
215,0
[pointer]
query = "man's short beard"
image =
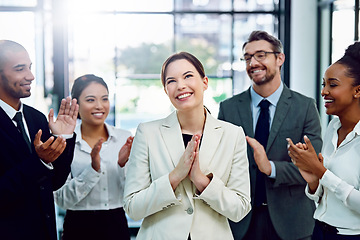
x,y
265,80
10,91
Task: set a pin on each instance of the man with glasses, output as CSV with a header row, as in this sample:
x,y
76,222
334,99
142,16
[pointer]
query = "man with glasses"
x,y
269,112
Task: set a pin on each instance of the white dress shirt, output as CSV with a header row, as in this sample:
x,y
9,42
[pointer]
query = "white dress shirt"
x,y
87,189
338,195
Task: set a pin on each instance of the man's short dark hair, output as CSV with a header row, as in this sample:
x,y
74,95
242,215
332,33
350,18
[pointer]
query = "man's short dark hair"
x,y
262,35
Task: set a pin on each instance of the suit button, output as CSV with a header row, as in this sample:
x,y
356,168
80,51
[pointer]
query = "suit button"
x,y
189,211
41,187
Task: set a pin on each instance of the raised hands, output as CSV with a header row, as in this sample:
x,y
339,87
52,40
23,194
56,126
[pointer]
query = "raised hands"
x,y
186,161
50,150
66,120
125,152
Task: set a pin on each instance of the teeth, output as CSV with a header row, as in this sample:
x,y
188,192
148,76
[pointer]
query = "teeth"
x,y
184,95
256,71
98,114
328,101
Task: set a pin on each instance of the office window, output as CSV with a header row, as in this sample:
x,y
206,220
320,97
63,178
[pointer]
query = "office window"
x,y
342,34
18,3
22,27
126,44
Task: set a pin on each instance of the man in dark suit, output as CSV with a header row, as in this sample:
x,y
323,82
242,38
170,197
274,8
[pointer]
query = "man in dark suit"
x,y
33,162
280,209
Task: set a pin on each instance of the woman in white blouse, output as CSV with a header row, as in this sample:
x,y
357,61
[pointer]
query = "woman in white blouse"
x,y
334,176
93,193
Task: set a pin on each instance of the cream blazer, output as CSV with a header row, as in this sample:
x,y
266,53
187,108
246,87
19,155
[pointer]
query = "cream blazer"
x,y
168,214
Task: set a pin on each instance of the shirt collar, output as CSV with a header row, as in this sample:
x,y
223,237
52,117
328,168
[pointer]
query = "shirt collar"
x,y
337,125
273,98
357,128
109,129
10,111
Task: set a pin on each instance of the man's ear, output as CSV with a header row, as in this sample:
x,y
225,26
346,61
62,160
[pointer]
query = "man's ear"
x,y
280,59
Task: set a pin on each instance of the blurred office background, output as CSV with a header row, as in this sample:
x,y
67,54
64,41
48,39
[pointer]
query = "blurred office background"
x,y
126,42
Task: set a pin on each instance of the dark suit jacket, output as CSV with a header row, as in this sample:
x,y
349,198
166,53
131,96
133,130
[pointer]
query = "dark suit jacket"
x,y
290,210
26,184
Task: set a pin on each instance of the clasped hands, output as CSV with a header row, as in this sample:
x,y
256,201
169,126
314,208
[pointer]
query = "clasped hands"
x,y
64,124
189,165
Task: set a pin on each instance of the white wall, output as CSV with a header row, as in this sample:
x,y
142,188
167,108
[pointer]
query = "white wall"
x,y
303,47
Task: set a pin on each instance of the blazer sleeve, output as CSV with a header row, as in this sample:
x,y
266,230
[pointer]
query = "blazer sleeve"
x,y
144,195
62,165
286,172
23,173
221,111
231,199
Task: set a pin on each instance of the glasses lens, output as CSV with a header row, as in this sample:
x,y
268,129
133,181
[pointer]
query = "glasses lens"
x,y
260,56
246,58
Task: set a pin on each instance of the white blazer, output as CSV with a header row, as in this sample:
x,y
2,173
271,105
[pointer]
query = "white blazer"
x,y
168,214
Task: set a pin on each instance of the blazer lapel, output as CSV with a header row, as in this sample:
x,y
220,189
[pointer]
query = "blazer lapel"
x,y
282,109
211,138
171,133
30,121
245,114
12,133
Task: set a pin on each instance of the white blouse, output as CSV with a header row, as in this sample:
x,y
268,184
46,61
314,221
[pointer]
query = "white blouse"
x,y
87,189
338,194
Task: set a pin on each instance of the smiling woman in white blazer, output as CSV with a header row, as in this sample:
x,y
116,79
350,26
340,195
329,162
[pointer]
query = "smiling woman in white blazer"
x,y
187,192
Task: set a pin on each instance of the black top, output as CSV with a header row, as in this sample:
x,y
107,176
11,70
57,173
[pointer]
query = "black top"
x,y
187,139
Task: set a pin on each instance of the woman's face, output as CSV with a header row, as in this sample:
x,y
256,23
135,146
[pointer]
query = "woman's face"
x,y
94,104
339,94
184,85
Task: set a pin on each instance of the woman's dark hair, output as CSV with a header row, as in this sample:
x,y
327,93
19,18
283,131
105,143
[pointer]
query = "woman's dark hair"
x,y
178,56
351,60
82,82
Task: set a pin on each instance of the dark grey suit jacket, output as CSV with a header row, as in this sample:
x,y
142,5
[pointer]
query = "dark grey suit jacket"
x,y
26,184
290,210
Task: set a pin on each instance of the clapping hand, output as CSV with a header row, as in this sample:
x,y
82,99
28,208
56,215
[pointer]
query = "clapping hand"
x,y
125,152
260,156
95,155
303,155
66,120
50,150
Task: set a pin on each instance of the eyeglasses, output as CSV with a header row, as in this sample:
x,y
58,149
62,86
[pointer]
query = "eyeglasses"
x,y
259,56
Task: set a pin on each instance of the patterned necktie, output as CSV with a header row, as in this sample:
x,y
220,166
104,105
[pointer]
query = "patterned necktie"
x,y
21,128
262,135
